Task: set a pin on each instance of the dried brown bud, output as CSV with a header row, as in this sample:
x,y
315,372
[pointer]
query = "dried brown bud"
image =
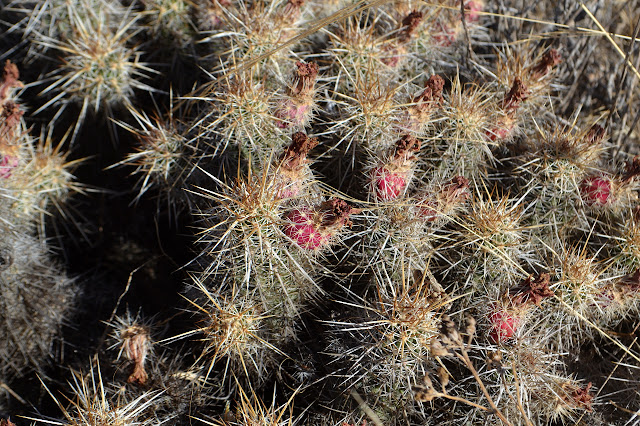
x,y
425,392
9,81
295,156
494,359
431,96
304,79
410,23
443,375
335,213
405,147
136,343
436,348
532,290
550,59
577,396
6,422
456,191
11,115
449,332
517,94
470,328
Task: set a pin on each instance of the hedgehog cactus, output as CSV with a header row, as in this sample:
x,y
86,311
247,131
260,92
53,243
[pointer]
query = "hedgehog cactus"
x,y
389,202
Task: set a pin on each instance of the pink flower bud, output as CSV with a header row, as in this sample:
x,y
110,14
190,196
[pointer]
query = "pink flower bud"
x,y
443,202
596,190
390,179
7,164
313,229
503,326
388,185
472,9
500,132
303,231
292,114
296,109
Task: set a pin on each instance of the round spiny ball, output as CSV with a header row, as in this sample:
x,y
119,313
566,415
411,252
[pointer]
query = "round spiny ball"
x,y
580,287
170,21
625,240
554,166
44,180
255,29
392,234
465,148
251,410
162,157
356,48
491,237
233,332
36,297
94,403
241,117
389,341
535,71
99,70
371,114
244,235
57,20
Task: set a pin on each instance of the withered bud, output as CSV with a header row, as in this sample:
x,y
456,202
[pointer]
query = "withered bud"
x,y
594,136
457,190
335,212
6,422
135,347
631,170
494,359
517,94
449,332
10,115
405,147
443,376
531,290
425,392
550,59
431,96
409,24
295,156
470,326
436,348
579,397
304,79
9,81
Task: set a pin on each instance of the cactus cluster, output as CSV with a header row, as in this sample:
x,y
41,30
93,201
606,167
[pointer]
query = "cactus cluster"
x,y
317,212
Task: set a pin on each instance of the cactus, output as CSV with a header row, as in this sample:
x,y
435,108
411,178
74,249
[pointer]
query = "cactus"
x,y
387,212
